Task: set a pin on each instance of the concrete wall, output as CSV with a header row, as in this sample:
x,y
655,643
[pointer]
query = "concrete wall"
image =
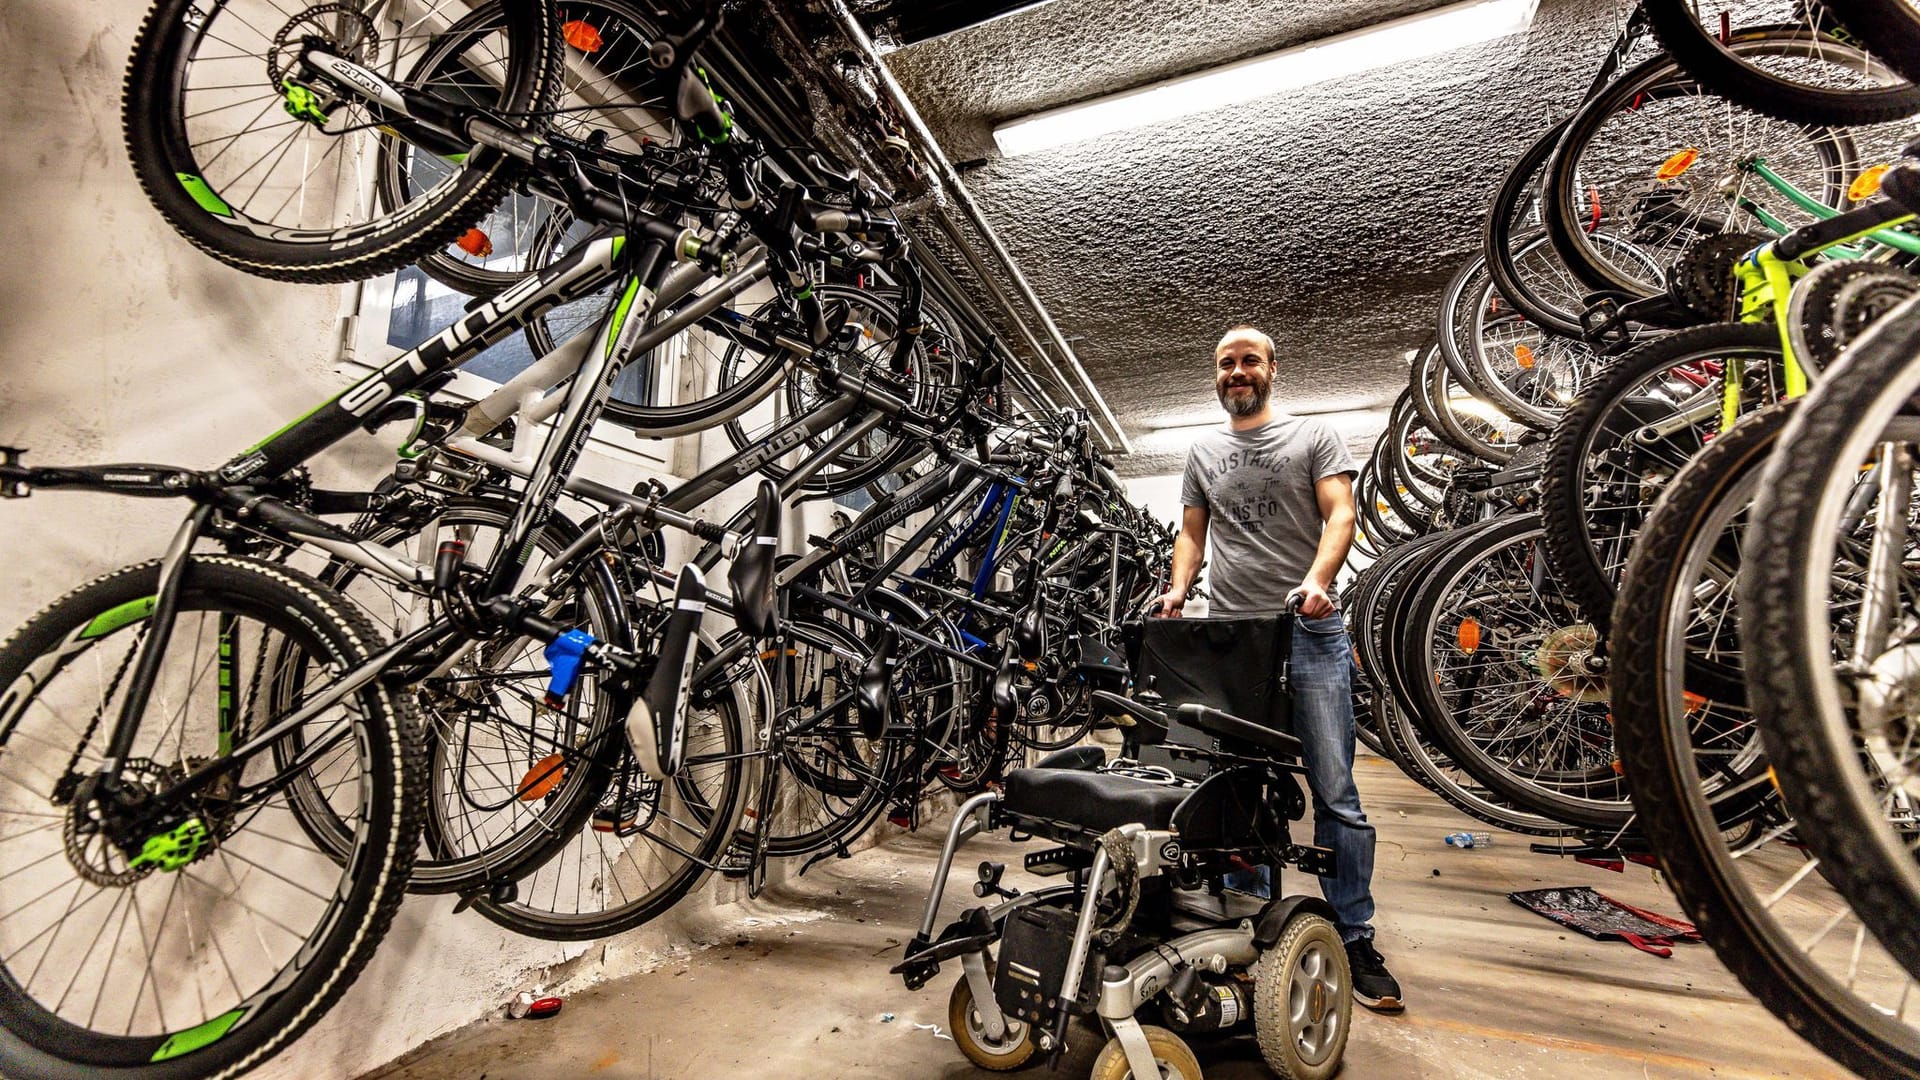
x,y
120,342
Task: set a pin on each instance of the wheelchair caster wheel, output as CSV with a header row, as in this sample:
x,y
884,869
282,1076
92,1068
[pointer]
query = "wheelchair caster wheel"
x,y
1010,1051
1170,1052
1303,1000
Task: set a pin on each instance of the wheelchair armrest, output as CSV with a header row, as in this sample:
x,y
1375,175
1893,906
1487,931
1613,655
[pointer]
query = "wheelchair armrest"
x,y
1225,725
1153,719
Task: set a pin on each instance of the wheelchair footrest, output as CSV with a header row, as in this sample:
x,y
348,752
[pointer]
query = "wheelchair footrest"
x,y
1055,861
1317,861
972,932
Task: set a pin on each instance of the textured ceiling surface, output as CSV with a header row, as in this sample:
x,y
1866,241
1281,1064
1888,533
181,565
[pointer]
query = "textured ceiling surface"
x,y
1330,216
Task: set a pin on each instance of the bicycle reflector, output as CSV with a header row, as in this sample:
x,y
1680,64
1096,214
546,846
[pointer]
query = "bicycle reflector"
x,y
1468,635
581,35
1679,163
542,778
475,243
1523,355
1867,184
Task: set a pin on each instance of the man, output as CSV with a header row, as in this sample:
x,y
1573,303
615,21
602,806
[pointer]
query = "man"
x,y
1275,493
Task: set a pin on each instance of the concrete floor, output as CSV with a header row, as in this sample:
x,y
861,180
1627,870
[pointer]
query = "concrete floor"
x,y
796,983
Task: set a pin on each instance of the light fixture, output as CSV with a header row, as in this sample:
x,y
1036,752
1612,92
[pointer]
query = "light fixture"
x,y
1367,49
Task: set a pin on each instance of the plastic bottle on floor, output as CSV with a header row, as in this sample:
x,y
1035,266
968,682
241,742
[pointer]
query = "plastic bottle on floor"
x,y
1469,839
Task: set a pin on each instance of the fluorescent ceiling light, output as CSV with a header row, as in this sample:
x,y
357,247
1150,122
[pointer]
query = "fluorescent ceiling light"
x,y
1385,45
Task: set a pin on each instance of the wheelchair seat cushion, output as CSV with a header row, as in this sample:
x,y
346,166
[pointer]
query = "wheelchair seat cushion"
x,y
1096,801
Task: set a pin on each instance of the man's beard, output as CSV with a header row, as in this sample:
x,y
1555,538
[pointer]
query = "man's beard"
x,y
1243,406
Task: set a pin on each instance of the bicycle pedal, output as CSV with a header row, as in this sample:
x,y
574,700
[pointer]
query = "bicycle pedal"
x,y
735,865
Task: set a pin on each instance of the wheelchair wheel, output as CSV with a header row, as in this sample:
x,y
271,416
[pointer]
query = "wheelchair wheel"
x,y
1303,1000
1170,1052
1005,1054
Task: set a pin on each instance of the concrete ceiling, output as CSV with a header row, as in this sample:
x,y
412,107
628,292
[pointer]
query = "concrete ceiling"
x,y
1329,216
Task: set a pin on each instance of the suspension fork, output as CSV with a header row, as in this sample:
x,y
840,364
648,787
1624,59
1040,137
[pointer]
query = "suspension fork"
x,y
153,648
1889,549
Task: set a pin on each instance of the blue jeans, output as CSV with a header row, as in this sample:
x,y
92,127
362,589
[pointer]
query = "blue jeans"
x,y
1323,719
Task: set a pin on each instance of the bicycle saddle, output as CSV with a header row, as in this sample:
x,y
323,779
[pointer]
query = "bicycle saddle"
x,y
1030,630
656,722
751,575
873,695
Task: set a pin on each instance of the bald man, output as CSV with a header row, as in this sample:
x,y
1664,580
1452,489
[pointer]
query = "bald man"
x,y
1275,495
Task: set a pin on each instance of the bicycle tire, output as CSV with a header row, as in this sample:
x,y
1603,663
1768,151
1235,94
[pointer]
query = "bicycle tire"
x,y
870,767
1889,28
176,181
1708,874
1698,50
1568,487
1709,693
318,966
1808,734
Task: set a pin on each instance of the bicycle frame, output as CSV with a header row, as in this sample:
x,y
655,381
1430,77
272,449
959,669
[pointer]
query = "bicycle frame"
x,y
416,372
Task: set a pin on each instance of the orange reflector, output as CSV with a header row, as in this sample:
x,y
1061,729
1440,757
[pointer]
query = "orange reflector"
x,y
581,35
475,243
1679,163
1523,356
1468,635
1618,768
1867,184
1691,701
540,780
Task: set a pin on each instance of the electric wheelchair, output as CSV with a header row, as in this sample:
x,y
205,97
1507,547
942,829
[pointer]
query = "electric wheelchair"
x,y
1144,923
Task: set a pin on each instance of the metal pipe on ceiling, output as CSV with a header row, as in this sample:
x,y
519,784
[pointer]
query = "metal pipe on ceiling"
x,y
929,149
913,21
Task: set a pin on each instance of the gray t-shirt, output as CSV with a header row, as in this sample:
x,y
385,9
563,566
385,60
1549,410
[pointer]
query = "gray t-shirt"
x,y
1263,518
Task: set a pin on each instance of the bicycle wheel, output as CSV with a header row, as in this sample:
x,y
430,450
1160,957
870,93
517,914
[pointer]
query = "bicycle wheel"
x,y
1529,275
646,843
1649,159
509,778
1889,28
1377,652
604,90
1640,422
1465,422
1770,913
205,112
1840,594
213,959
1830,91
1528,373
1501,672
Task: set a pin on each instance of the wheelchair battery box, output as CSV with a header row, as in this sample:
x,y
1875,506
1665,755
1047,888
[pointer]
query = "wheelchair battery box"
x,y
1237,664
1033,962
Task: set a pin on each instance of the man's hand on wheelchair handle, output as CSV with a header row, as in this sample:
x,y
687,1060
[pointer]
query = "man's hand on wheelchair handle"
x,y
1311,599
1168,604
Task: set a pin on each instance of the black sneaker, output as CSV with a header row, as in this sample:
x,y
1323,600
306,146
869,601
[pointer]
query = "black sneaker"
x,y
1373,985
